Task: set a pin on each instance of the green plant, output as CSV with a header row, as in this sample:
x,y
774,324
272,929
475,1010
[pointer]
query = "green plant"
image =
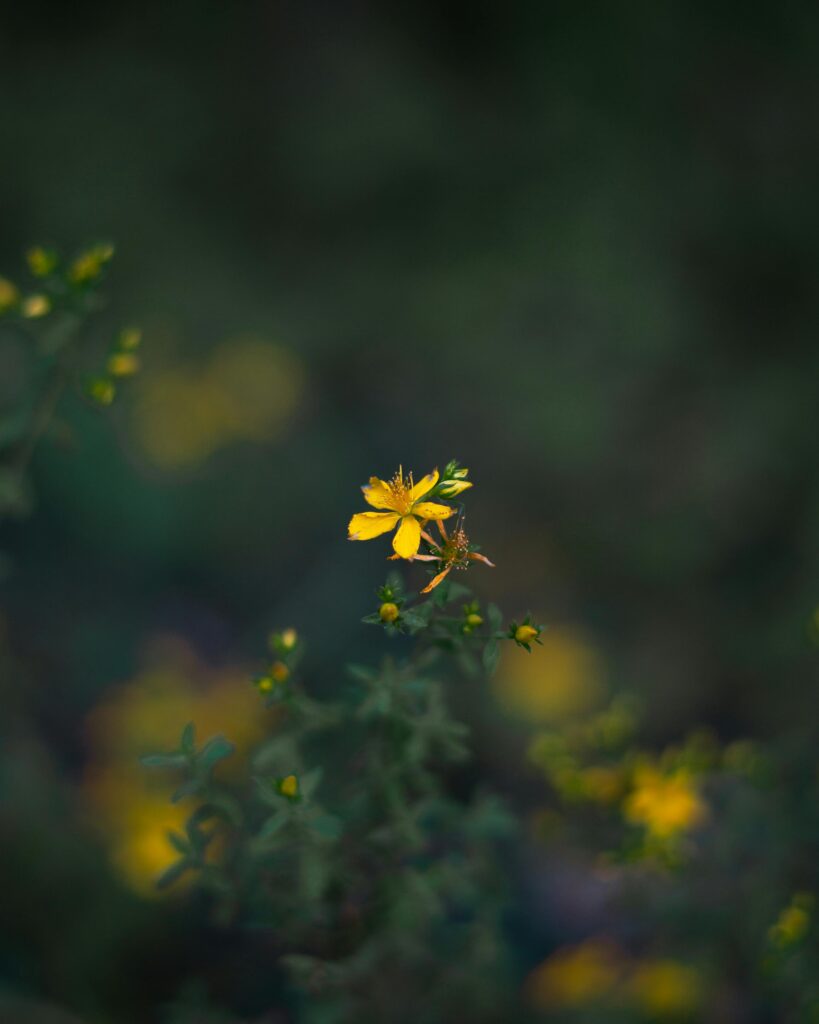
x,y
382,891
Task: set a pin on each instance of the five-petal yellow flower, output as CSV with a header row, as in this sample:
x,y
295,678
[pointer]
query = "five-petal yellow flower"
x,y
401,504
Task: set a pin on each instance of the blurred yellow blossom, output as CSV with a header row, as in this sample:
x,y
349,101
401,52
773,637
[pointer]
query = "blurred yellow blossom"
x,y
793,923
248,391
41,261
101,390
597,972
665,805
279,672
9,295
123,364
665,988
289,638
576,976
132,809
603,784
135,824
35,306
565,680
89,264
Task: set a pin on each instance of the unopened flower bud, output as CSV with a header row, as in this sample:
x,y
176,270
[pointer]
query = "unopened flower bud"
x,y
41,261
289,639
452,488
388,612
279,672
264,684
35,306
525,634
101,390
289,786
474,620
123,364
129,339
8,295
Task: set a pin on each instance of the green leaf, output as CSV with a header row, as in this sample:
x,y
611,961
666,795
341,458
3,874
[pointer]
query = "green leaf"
x,y
214,750
273,824
413,622
361,673
178,842
171,874
186,789
491,656
188,739
495,616
162,761
308,783
327,826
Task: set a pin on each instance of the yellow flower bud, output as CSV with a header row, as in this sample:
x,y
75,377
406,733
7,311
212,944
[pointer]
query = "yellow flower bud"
x,y
279,672
289,639
102,390
88,265
36,306
289,786
388,612
525,634
792,925
8,295
129,339
123,364
474,620
41,261
265,684
451,488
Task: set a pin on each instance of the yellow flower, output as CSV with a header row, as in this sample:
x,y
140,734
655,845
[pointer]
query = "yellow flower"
x,y
403,506
665,806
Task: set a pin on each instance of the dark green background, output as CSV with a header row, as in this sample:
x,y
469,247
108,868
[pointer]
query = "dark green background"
x,y
574,245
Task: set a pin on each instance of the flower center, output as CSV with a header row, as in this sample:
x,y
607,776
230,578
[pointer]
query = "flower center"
x,y
456,549
400,493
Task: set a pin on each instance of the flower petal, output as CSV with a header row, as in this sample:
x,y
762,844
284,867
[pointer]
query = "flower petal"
x,y
366,525
476,556
435,580
378,494
408,537
432,510
424,486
